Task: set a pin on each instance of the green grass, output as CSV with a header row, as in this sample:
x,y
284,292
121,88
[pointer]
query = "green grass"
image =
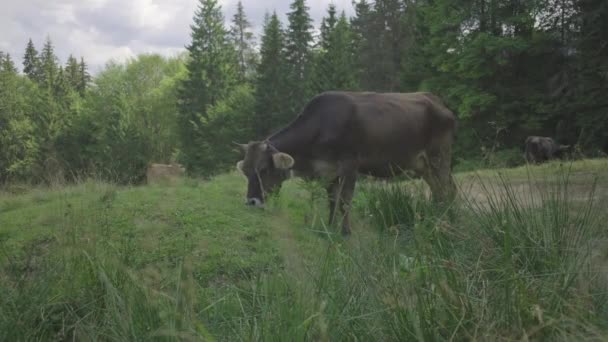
x,y
520,255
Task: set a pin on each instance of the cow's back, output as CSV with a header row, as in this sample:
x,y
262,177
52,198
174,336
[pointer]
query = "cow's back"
x,y
376,127
401,124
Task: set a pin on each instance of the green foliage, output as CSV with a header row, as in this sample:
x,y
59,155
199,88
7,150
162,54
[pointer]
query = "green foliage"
x,y
590,68
126,121
211,66
31,63
334,62
244,43
7,64
48,65
271,90
298,41
493,66
381,40
228,121
20,152
83,77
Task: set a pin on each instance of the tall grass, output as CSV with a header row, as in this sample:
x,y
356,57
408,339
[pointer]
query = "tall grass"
x,y
515,261
78,286
516,265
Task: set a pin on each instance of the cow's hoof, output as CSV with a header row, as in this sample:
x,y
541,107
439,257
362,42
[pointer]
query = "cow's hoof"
x,y
345,232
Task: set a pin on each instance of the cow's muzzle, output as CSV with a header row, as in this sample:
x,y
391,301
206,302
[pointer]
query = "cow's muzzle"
x,y
255,202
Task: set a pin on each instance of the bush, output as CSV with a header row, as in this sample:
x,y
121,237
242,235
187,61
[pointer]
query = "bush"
x,y
230,120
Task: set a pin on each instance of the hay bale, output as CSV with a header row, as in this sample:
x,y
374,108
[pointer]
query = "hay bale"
x,y
164,173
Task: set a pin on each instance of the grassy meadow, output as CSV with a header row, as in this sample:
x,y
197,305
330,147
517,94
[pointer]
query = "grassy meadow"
x,y
521,255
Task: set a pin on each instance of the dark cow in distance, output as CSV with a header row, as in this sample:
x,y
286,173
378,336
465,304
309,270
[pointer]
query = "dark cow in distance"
x,y
341,134
540,149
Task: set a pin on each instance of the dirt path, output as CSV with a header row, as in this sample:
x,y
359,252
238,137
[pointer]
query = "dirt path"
x,y
580,188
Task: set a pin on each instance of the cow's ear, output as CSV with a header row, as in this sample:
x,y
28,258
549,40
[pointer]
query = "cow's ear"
x,y
282,160
239,166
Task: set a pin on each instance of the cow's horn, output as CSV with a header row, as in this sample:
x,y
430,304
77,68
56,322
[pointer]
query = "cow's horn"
x,y
242,146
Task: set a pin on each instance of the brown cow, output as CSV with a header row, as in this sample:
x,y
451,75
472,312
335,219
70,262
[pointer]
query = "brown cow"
x,y
157,173
341,134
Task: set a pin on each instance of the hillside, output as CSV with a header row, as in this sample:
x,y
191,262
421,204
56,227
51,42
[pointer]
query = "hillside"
x,y
520,255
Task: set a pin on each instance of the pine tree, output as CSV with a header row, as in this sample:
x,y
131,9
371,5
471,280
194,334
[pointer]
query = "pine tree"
x,y
271,83
335,61
211,74
244,42
83,77
416,61
48,63
342,56
298,53
387,40
361,26
589,98
6,64
31,63
328,24
72,72
61,86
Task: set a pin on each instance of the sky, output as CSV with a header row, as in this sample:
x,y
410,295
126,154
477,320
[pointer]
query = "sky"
x,y
102,30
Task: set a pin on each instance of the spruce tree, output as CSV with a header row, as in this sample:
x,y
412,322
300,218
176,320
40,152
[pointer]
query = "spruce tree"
x,y
395,37
211,74
83,77
328,24
335,61
6,64
381,38
61,86
48,63
341,56
271,83
589,97
361,26
72,73
244,42
31,63
298,54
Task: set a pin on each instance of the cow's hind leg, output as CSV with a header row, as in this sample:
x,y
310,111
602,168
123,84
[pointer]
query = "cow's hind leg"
x,y
437,171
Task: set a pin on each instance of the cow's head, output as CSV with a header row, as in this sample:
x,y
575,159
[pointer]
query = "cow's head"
x,y
265,168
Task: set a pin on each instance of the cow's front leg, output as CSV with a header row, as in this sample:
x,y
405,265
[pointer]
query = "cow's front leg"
x,y
345,195
332,195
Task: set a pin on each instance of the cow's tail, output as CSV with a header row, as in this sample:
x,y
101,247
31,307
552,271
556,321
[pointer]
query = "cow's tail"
x,y
443,104
454,112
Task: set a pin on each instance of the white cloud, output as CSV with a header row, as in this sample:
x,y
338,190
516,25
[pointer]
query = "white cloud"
x,y
99,30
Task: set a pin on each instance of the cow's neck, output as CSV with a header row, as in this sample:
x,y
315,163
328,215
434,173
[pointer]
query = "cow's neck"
x,y
294,139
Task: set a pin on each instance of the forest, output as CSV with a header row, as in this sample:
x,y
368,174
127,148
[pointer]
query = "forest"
x,y
508,68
